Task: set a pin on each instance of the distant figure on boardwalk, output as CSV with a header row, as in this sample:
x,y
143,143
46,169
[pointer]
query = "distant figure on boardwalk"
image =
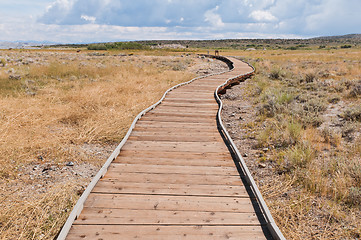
x,y
216,53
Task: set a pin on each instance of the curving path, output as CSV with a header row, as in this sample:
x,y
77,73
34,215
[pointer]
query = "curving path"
x,y
175,177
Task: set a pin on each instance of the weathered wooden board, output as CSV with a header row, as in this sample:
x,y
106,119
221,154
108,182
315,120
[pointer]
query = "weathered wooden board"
x,y
170,203
174,178
191,189
158,169
155,216
159,232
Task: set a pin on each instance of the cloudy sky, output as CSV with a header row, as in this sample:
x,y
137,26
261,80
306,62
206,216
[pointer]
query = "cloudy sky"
x,y
77,21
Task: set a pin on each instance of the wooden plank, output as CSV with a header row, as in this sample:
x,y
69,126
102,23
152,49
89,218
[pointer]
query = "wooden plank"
x,y
172,131
182,156
160,217
195,91
192,100
159,160
184,94
206,82
176,146
170,124
201,88
174,178
152,168
161,129
116,232
184,110
203,115
191,105
117,187
187,119
169,203
172,138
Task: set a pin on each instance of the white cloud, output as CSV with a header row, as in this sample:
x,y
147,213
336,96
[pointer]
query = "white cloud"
x,y
213,18
64,5
262,16
112,20
88,18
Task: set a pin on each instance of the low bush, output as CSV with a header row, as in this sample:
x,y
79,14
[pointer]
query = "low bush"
x,y
346,46
117,46
275,74
355,90
352,114
99,46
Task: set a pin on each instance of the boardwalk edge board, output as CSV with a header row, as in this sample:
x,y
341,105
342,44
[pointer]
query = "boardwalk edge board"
x,y
80,203
271,224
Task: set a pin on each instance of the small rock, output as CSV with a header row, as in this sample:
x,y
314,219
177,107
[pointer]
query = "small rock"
x,y
265,149
261,165
70,164
73,78
30,93
15,77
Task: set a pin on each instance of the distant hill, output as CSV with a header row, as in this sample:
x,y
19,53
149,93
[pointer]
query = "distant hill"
x,y
348,36
349,40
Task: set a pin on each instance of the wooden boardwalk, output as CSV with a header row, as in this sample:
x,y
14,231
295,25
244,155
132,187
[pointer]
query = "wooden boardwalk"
x,y
175,177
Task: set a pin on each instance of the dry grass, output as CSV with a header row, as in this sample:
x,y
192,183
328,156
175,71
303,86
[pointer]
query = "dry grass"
x,y
308,106
65,104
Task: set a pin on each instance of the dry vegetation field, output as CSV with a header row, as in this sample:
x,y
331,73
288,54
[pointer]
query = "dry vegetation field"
x,y
61,115
298,124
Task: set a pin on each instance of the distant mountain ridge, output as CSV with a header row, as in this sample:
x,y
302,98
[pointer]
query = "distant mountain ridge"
x,y
347,36
354,39
22,44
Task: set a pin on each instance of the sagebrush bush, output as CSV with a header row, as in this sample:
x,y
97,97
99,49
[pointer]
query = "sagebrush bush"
x,y
355,90
275,74
2,62
352,113
300,156
310,77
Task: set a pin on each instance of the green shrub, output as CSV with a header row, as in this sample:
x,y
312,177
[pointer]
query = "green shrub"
x,y
295,131
117,46
2,62
98,46
354,196
275,74
352,114
310,77
346,46
355,90
315,105
300,156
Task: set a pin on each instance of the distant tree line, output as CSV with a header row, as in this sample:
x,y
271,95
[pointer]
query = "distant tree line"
x,y
117,46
